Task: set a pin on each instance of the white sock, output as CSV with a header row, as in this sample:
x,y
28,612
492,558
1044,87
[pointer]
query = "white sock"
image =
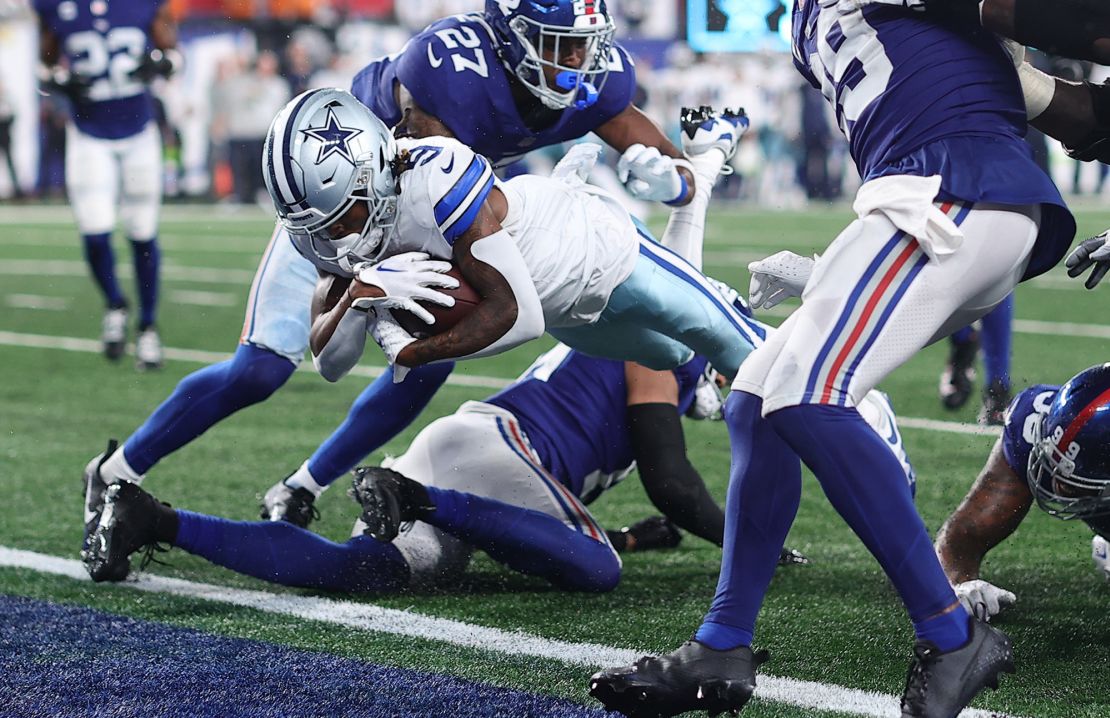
x,y
302,479
116,469
685,233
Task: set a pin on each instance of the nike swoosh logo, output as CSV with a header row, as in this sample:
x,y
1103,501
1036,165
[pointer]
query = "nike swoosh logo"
x,y
432,59
450,166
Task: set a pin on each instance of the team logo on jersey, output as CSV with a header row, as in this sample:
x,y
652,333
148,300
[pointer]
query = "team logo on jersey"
x,y
333,138
507,6
67,10
98,7
585,7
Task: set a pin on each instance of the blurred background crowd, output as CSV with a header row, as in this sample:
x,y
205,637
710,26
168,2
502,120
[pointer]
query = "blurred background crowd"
x,y
245,58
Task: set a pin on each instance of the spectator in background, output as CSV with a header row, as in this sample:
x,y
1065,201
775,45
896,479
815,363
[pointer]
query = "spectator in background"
x,y
246,102
7,119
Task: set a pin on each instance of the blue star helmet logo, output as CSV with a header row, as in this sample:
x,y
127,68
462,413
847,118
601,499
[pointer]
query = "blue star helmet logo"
x,y
333,138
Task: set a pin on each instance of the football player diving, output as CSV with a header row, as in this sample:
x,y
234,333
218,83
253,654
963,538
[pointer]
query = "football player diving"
x,y
518,77
111,53
1055,449
952,214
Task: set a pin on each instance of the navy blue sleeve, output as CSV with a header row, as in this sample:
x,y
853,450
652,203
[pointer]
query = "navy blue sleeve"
x,y
688,375
620,86
373,87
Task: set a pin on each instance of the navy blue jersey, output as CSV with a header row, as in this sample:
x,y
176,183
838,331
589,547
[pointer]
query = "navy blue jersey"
x,y
453,73
573,408
105,41
917,98
1017,438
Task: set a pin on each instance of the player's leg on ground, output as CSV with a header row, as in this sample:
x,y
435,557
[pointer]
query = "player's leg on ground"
x,y
379,413
764,491
92,178
140,203
491,491
282,553
874,300
275,336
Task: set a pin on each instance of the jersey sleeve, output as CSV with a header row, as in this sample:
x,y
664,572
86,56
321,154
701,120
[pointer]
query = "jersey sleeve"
x,y
373,87
446,183
1017,430
620,85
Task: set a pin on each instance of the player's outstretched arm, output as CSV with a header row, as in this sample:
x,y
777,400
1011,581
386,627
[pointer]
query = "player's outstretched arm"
x,y
670,480
509,314
991,511
650,170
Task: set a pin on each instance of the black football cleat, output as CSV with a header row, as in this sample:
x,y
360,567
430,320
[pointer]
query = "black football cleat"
x,y
388,500
792,557
283,503
94,491
131,520
996,399
694,677
940,685
958,378
650,534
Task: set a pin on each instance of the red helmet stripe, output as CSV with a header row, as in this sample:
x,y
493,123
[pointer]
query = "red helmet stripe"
x,y
1082,418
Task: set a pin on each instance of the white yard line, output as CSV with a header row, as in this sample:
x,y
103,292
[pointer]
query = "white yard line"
x,y
36,301
363,616
92,346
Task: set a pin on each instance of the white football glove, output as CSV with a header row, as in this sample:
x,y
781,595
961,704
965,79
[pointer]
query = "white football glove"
x,y
392,338
1100,552
649,175
575,167
1093,252
778,277
983,599
406,278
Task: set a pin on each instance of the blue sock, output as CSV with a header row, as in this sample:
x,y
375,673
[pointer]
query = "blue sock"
x,y
280,552
867,487
764,490
146,257
963,336
379,413
527,541
102,262
996,339
204,398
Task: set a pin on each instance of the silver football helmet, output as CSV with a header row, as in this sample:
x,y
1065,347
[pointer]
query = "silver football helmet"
x,y
324,152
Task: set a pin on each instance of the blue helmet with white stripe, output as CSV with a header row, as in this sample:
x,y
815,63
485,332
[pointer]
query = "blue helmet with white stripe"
x,y
324,152
536,34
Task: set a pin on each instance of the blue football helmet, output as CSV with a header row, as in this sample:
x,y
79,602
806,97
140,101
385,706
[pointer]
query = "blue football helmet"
x,y
1069,466
537,34
325,151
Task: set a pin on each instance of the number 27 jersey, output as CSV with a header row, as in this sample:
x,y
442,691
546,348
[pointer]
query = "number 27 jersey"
x,y
104,41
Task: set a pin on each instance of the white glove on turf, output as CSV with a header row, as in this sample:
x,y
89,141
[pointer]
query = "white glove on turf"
x,y
1100,552
778,277
982,598
649,174
406,278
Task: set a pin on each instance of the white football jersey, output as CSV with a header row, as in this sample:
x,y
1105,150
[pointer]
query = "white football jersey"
x,y
578,243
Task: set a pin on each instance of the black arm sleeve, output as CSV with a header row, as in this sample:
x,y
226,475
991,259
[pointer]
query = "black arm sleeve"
x,y
1079,29
671,481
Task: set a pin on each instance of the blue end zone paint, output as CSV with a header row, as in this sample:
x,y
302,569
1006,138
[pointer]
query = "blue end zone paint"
x,y
60,660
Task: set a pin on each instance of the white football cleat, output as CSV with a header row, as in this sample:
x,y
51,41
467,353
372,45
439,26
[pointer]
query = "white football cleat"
x,y
704,129
113,332
148,350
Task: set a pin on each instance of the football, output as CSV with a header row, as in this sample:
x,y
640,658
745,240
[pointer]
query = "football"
x,y
466,298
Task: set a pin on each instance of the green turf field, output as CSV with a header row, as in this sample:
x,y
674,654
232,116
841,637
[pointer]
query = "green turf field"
x,y
836,621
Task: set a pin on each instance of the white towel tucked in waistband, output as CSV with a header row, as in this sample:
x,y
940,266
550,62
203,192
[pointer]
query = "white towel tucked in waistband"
x,y
907,201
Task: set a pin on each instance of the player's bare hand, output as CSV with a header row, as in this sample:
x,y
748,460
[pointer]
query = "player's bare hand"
x,y
404,280
983,598
1093,252
777,278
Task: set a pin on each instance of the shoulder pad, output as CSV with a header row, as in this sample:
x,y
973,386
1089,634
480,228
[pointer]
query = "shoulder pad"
x,y
448,55
447,183
620,84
